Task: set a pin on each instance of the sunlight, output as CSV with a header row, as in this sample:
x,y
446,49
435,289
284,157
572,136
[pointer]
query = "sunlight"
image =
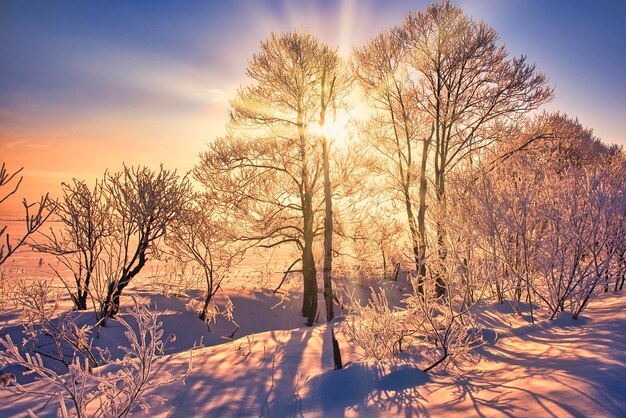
x,y
336,130
321,208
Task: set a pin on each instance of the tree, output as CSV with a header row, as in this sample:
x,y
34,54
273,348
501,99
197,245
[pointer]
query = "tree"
x,y
330,93
84,214
466,84
144,203
33,221
395,131
202,235
269,164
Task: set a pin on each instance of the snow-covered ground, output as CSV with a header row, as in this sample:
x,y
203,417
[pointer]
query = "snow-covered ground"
x,y
277,367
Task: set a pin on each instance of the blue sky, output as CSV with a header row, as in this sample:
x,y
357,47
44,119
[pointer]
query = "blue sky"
x,y
149,81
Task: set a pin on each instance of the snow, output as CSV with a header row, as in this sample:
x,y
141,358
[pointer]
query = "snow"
x,y
277,367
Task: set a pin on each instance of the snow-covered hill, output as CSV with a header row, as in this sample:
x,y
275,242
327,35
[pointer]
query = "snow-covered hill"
x,y
555,368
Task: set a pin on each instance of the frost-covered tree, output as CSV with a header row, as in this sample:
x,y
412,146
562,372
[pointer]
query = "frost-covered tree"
x,y
144,203
396,131
466,84
203,235
270,163
547,206
34,214
84,214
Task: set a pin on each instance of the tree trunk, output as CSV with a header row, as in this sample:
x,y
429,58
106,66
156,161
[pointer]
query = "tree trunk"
x,y
328,202
440,169
440,284
414,239
82,288
309,273
111,305
421,214
620,272
384,257
81,300
203,313
328,235
209,295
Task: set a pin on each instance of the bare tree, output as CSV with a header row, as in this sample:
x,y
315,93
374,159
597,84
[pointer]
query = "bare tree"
x,y
33,221
143,205
466,84
84,214
395,131
270,164
202,235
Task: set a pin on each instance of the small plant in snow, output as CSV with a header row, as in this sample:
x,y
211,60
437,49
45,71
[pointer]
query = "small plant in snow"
x,y
40,320
82,391
175,278
375,328
8,281
447,329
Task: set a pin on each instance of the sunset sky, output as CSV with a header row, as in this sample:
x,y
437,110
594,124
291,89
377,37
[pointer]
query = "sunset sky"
x,y
87,85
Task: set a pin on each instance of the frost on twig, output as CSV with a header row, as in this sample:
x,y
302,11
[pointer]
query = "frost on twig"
x,y
115,390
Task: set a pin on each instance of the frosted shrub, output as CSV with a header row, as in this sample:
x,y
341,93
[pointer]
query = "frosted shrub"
x,y
123,390
375,328
175,278
41,319
8,281
445,327
581,254
114,391
434,331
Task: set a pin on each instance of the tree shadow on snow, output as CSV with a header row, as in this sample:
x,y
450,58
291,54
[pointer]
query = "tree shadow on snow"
x,y
370,389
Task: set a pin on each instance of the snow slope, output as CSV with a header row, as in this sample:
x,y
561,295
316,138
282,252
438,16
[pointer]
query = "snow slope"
x,y
558,368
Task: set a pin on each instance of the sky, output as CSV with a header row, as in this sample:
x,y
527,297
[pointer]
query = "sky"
x,y
88,85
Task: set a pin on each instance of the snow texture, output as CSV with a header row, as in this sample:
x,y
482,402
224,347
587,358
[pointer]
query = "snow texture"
x,y
563,367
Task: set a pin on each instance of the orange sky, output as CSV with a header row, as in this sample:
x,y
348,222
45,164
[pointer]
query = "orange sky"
x,y
87,148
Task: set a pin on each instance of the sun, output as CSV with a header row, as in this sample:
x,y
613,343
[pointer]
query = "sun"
x,y
336,129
